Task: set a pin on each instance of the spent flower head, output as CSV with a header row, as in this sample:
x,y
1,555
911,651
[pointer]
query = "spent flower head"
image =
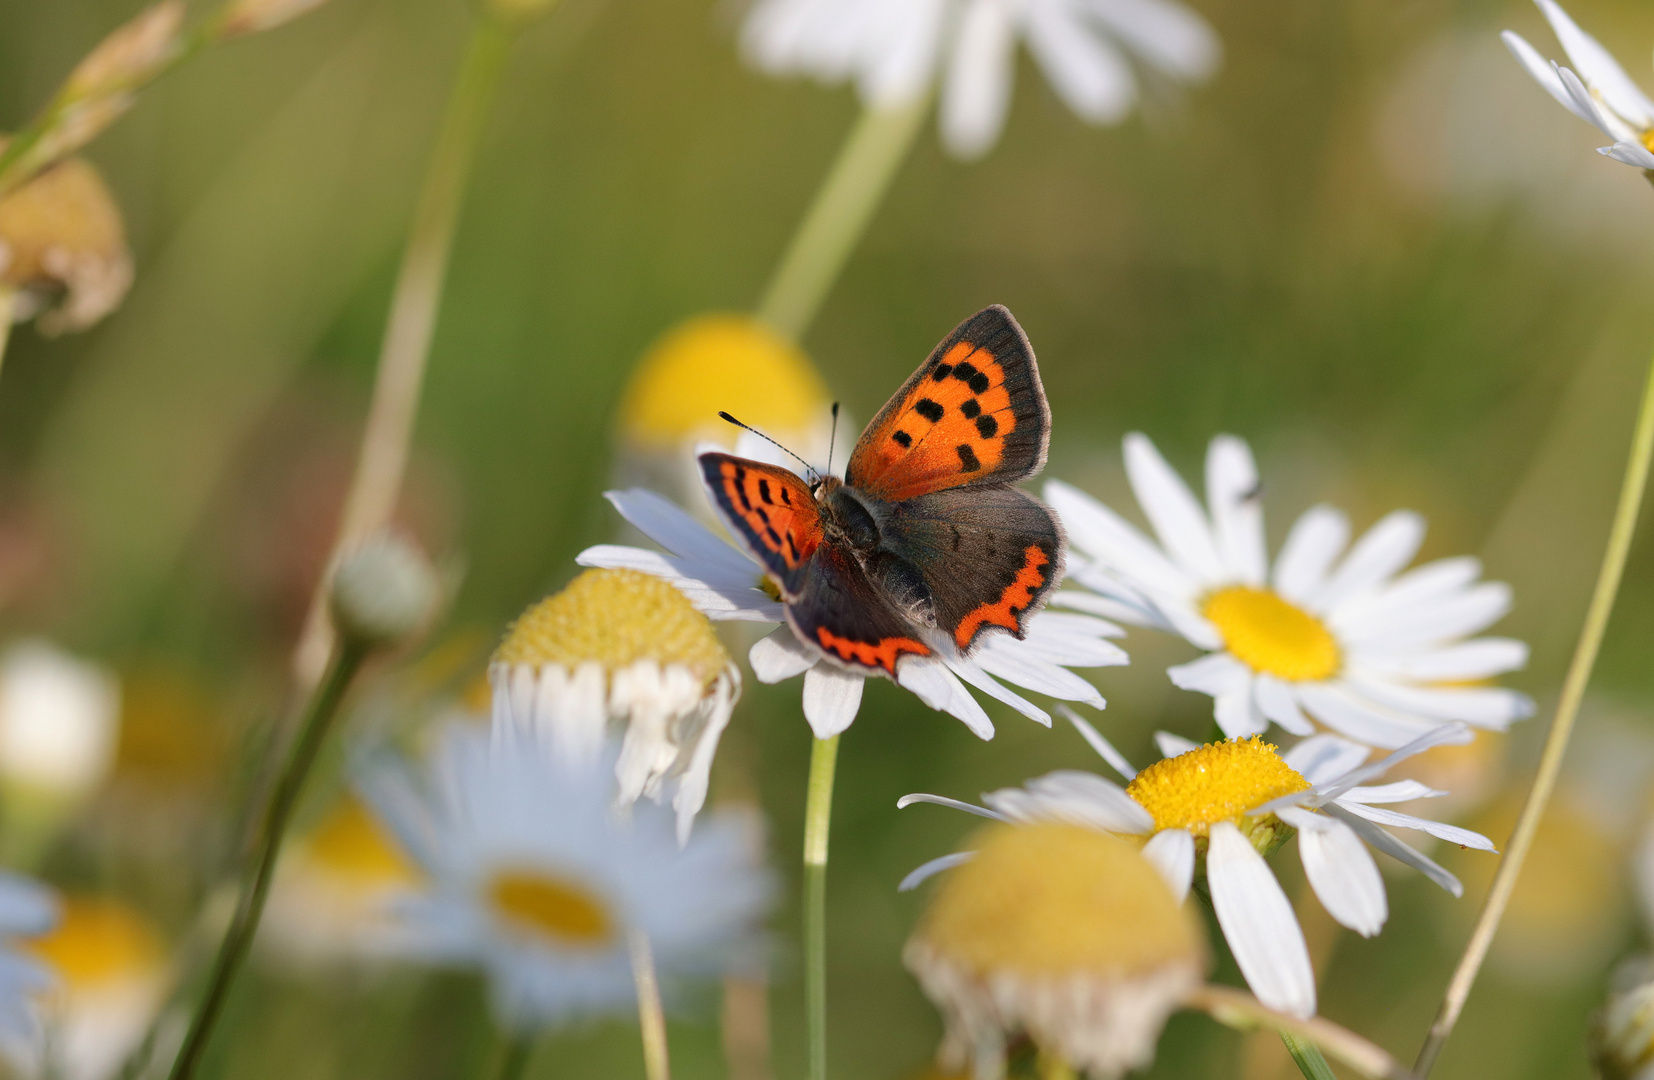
x,y
1060,932
1332,636
625,647
383,591
63,252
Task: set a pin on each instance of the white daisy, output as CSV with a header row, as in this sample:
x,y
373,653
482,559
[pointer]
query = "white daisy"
x,y
724,582
534,877
1601,94
896,49
27,909
1221,808
1346,642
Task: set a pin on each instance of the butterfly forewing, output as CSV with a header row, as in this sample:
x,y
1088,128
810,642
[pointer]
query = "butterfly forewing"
x,y
974,413
770,508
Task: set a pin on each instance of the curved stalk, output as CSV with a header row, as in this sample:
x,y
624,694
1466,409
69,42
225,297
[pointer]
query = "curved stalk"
x,y
818,813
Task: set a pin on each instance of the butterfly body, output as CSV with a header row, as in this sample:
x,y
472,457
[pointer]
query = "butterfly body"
x,y
924,545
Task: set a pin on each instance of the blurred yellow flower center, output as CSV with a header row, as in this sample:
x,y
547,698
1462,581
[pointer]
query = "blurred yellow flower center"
x,y
1055,899
98,941
1270,635
1218,782
615,618
723,361
564,911
352,846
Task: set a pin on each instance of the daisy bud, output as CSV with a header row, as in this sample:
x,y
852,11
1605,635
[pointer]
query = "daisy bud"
x,y
1622,1032
130,55
383,591
1061,933
63,248
255,16
625,646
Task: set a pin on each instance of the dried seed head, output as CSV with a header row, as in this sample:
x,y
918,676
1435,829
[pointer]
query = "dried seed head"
x,y
241,17
63,248
130,55
383,591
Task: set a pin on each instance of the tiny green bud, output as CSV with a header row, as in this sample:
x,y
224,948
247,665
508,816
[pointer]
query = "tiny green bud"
x,y
383,591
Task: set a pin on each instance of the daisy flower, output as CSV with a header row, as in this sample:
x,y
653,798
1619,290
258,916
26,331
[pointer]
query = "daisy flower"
x,y
726,583
27,909
1221,809
1340,637
895,50
535,878
1601,94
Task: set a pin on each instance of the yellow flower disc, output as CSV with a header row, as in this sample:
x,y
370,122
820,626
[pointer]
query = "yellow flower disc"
x,y
352,846
720,362
563,911
1218,782
615,618
1268,634
1053,900
98,940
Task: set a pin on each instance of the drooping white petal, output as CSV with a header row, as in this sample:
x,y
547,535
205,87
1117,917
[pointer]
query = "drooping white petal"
x,y
931,682
1315,541
1003,655
1094,738
1629,153
1172,852
1340,870
831,698
1544,73
1232,494
1379,555
1277,702
1598,67
1321,759
779,656
1087,72
1178,519
1074,797
1478,659
1166,35
1334,706
968,670
953,804
1454,734
1608,120
1173,745
976,92
1107,537
935,866
1258,923
1491,707
1451,833
1393,792
1389,845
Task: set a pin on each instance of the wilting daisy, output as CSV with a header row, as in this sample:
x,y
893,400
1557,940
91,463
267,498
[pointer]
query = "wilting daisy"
x,y
534,877
1065,934
63,253
1339,637
895,50
1219,810
726,583
1601,94
623,646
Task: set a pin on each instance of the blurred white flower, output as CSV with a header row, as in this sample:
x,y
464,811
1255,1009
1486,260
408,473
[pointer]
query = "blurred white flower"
x,y
59,718
895,50
27,909
1376,657
1229,805
1601,94
534,877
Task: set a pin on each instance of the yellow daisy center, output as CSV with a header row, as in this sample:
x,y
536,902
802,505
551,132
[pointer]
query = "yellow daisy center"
x,y
565,912
98,941
355,848
1221,781
1270,635
615,618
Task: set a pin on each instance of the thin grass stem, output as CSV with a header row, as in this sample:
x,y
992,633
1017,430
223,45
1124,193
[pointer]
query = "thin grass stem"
x,y
1556,742
1238,1009
651,1016
818,813
8,307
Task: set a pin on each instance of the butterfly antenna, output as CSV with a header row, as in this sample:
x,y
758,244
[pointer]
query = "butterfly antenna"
x,y
832,438
808,468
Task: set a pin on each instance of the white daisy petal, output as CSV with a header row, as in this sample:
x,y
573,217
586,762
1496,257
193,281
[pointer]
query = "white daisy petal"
x,y
1073,640
932,868
1543,73
1379,555
1088,73
1136,611
1321,759
678,531
1276,701
902,71
1104,535
1489,707
953,804
779,656
1172,852
968,670
831,699
1078,798
1002,655
931,682
1167,36
1258,923
1177,518
1315,541
1629,153
1395,791
1454,734
1237,714
1478,659
1383,841
1232,493
1466,612
1340,870
1418,587
976,93
1216,674
1451,833
1599,68
1094,738
1174,745
1359,720
718,599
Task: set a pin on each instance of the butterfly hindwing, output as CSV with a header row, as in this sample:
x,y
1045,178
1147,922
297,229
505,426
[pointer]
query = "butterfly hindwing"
x,y
772,510
989,556
974,413
844,615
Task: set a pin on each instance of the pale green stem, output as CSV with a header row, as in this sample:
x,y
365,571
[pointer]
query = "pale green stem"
x,y
8,306
839,214
1241,1010
1556,742
651,1016
818,813
238,938
1307,1056
383,456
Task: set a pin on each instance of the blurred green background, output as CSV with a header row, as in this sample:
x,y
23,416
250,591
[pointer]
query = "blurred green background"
x,y
1371,246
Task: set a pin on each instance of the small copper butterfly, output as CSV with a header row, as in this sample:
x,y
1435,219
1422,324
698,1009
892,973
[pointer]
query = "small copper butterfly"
x,y
924,533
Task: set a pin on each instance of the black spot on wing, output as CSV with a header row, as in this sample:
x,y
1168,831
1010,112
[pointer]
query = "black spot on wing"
x,y
903,439
972,409
929,409
764,490
987,426
942,372
968,460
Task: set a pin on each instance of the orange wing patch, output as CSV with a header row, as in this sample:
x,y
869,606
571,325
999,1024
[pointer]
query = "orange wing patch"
x,y
771,508
952,424
1011,604
881,654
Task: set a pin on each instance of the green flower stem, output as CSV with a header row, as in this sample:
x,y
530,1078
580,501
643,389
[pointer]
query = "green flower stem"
x,y
517,1054
1556,742
843,206
383,456
818,813
651,1016
8,307
1307,1056
318,718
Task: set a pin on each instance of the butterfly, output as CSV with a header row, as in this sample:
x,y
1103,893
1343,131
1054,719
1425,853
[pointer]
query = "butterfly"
x,y
924,538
